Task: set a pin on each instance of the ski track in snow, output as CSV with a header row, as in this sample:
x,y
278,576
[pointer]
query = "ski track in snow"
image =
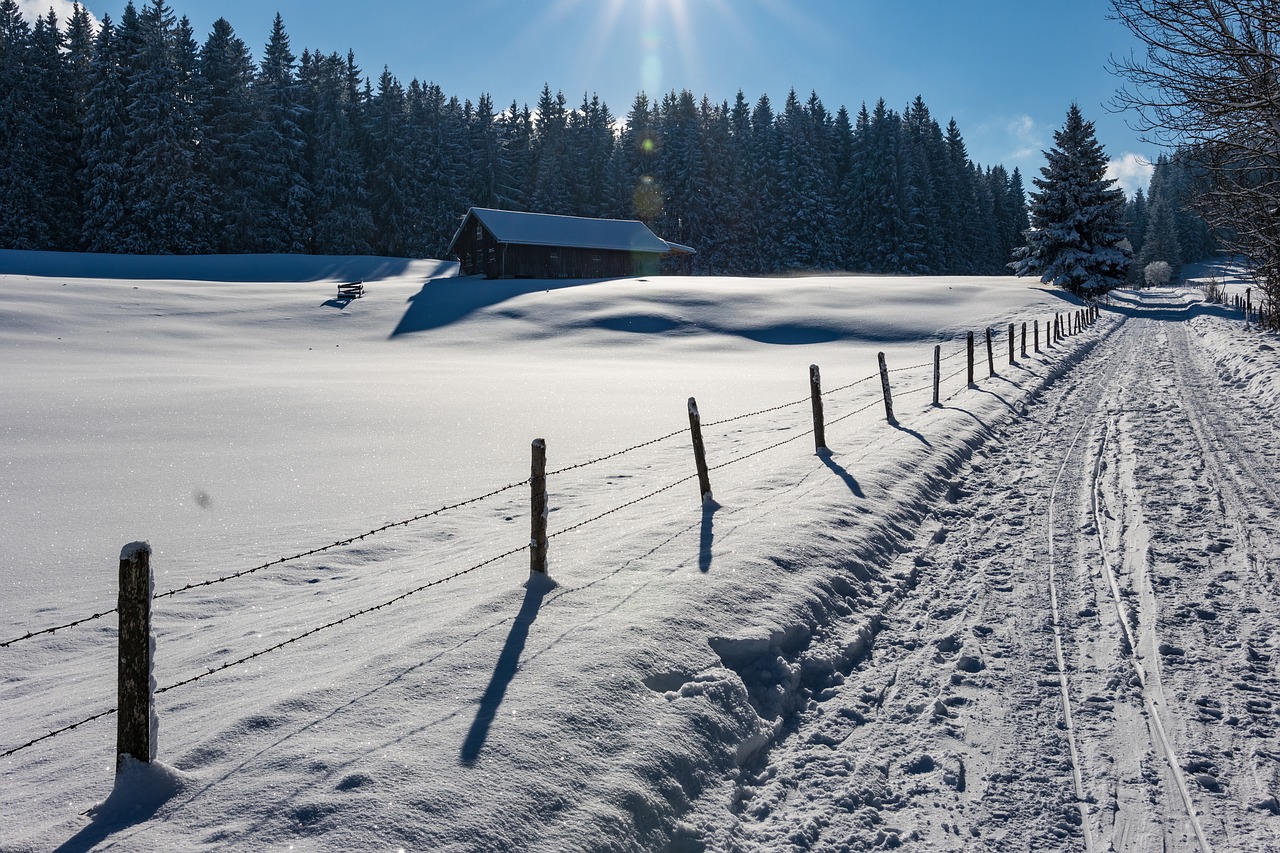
x,y
1055,629
950,733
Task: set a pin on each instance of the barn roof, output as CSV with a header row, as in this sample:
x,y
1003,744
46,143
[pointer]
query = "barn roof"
x,y
545,229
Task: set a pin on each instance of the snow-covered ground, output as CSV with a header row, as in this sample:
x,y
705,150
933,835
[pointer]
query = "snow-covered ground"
x,y
1040,616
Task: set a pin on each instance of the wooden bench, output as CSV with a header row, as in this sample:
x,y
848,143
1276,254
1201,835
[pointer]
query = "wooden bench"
x,y
351,290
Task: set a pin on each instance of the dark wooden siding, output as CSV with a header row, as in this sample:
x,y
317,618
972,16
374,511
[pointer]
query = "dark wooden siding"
x,y
480,254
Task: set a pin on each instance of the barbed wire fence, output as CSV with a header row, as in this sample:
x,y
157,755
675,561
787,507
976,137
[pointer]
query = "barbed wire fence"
x,y
1060,329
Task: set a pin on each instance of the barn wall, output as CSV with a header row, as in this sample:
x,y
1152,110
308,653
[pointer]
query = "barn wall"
x,y
480,254
573,262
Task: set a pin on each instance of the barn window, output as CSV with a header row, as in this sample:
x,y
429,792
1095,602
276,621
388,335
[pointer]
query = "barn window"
x,y
555,256
479,233
595,259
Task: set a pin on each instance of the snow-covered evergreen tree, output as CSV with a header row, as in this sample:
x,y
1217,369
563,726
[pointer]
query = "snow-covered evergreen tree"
x,y
1077,237
279,187
166,199
339,217
23,224
102,144
224,99
391,168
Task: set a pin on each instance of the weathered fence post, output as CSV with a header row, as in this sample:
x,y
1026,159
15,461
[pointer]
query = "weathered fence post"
x,y
538,508
971,358
699,452
937,371
1024,340
1011,337
815,391
888,398
1036,330
135,699
991,359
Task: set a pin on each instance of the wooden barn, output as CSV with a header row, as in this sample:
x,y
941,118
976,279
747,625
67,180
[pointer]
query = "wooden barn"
x,y
511,244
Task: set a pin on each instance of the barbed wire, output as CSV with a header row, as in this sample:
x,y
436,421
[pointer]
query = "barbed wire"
x,y
759,412
56,732
342,542
578,465
437,582
849,385
856,411
280,561
773,446
335,622
261,652
621,507
56,628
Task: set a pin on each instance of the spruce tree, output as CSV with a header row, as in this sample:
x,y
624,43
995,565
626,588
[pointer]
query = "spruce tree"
x,y
279,189
225,104
1077,238
23,220
166,200
102,145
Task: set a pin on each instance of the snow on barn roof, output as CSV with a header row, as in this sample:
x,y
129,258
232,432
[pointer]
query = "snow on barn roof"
x,y
545,229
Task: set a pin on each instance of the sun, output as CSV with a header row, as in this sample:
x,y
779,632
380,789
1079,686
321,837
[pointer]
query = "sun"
x,y
663,35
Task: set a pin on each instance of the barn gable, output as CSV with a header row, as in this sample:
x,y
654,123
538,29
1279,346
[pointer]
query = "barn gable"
x,y
512,244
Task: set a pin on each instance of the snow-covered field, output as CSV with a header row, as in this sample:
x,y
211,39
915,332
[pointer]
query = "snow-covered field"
x,y
1040,616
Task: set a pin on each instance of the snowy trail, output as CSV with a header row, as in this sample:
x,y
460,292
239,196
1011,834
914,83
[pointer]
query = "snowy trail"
x,y
1124,513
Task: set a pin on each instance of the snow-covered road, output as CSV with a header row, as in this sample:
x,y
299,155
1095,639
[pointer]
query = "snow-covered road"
x,y
1040,616
1083,651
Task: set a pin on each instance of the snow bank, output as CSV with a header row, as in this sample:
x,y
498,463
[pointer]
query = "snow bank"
x,y
480,713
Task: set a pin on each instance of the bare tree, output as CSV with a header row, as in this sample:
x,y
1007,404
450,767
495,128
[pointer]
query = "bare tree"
x,y
1209,82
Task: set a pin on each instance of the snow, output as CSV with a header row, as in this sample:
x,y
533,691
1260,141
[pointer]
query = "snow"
x,y
847,649
545,229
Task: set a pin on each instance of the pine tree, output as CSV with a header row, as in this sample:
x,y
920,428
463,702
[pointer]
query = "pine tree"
x,y
102,144
165,197
23,220
338,214
224,100
391,172
1076,239
279,188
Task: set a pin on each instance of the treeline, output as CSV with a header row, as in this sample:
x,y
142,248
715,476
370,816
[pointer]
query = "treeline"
x,y
1162,224
134,138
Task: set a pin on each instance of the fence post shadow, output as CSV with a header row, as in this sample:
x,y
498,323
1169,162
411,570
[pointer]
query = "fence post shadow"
x,y
706,535
826,456
505,669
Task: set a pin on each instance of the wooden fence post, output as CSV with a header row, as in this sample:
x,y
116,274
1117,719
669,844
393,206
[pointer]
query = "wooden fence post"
x,y
888,398
1011,337
971,358
815,391
699,452
991,358
538,509
937,371
135,717
1024,339
1036,330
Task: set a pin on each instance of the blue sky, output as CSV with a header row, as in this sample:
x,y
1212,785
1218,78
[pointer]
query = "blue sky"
x,y
1006,70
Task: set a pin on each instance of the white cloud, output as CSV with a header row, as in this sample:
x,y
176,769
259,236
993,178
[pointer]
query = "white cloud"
x,y
1130,171
1025,137
35,9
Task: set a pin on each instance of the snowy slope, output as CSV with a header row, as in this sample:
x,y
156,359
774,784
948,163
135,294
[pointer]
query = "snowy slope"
x,y
234,422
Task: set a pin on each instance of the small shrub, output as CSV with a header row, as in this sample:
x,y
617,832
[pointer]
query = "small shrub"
x,y
1214,290
1157,273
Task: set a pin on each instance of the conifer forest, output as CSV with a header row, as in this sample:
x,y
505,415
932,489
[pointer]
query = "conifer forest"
x,y
134,137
